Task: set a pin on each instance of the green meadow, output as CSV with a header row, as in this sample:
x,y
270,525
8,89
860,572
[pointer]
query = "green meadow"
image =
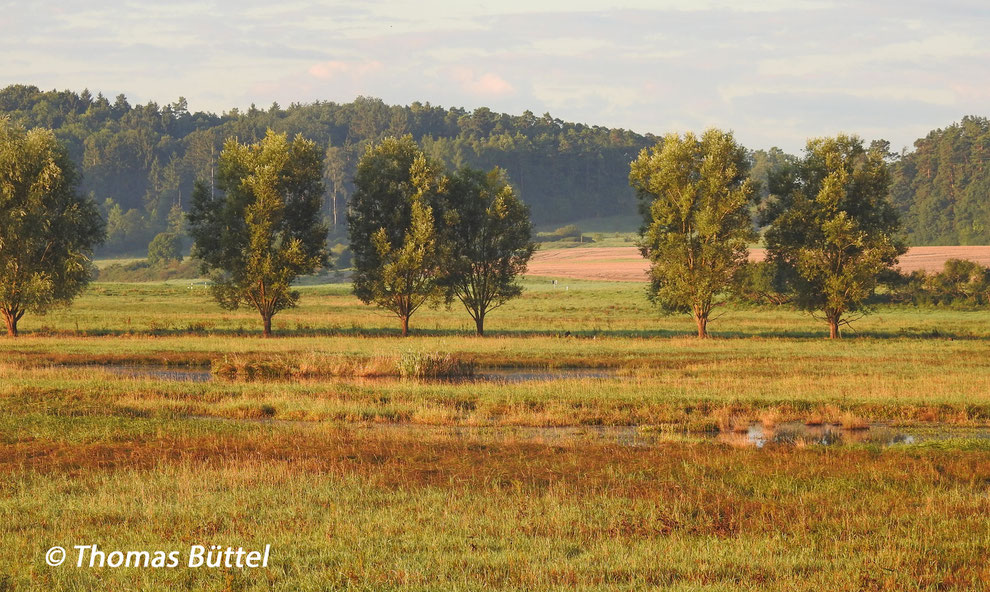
x,y
361,479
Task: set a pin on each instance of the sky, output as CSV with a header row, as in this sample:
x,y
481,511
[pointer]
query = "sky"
x,y
775,72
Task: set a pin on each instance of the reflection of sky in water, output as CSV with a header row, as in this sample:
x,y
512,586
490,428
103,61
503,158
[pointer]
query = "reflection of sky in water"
x,y
797,433
503,375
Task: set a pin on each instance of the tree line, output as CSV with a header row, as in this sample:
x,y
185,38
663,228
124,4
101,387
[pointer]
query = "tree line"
x,y
830,227
140,162
420,234
424,234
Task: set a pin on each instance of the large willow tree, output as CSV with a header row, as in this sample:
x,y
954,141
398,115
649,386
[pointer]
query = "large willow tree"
x,y
833,227
265,229
393,228
489,232
47,230
695,196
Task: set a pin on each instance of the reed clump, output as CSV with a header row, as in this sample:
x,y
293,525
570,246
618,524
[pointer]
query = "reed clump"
x,y
312,366
415,364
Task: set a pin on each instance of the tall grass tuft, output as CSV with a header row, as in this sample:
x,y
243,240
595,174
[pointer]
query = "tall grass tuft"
x,y
414,364
406,365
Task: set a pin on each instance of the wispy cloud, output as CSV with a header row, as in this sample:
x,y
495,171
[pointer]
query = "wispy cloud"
x,y
482,85
335,69
775,71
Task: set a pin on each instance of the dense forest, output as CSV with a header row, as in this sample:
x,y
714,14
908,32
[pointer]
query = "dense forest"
x,y
139,162
943,188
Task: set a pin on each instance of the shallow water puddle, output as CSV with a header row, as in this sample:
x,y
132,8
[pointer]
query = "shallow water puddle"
x,y
791,434
756,436
797,433
159,372
496,375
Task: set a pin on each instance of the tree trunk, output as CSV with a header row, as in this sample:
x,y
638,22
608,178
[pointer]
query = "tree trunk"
x,y
479,323
702,321
405,325
268,324
833,327
11,320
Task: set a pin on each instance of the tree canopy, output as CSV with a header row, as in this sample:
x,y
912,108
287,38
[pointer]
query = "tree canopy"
x,y
488,233
139,160
942,189
393,228
832,227
695,195
264,230
47,229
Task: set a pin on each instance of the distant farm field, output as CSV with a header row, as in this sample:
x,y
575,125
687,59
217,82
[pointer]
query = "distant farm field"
x,y
625,264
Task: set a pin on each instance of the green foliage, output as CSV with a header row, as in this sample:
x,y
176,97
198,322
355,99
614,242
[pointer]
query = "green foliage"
x,y
397,256
570,232
127,231
147,157
833,228
164,249
142,271
760,283
341,255
265,231
696,196
47,229
488,233
941,188
960,282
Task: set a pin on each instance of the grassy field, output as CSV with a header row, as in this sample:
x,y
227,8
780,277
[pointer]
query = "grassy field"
x,y
389,483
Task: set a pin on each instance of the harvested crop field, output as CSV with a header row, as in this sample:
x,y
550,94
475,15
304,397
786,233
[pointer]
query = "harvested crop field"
x,y
624,264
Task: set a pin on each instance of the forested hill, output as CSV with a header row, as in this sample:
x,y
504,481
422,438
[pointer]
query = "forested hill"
x,y
139,161
943,187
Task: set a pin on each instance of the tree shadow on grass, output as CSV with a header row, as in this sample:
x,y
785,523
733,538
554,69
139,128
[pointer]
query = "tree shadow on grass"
x,y
580,334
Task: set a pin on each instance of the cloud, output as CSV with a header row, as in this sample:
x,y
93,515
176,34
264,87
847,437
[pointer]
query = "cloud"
x,y
485,85
776,71
335,69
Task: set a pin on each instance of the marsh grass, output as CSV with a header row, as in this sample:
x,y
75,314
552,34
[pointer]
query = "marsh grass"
x,y
408,364
417,364
399,512
91,456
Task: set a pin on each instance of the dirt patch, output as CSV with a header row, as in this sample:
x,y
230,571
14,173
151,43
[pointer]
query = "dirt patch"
x,y
625,264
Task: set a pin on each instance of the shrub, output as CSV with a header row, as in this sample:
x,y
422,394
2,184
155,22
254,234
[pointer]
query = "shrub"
x,y
960,282
141,271
565,233
165,248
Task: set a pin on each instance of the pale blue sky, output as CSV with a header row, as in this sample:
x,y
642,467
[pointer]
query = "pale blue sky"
x,y
776,72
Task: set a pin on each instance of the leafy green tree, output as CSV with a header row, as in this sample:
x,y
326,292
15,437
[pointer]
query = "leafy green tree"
x,y
47,229
165,248
695,194
393,228
488,232
265,230
833,229
960,282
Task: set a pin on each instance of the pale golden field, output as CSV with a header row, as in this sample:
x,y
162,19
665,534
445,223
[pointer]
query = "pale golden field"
x,y
625,264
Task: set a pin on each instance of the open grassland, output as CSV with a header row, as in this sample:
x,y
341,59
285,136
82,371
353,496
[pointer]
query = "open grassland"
x,y
580,308
389,483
